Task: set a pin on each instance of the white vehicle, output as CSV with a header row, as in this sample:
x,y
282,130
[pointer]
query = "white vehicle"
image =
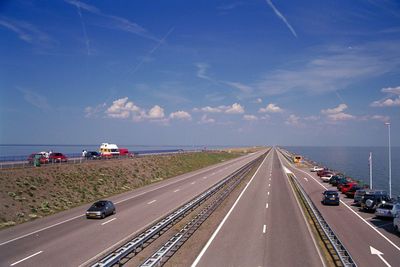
x,y
388,210
316,169
327,178
396,223
109,150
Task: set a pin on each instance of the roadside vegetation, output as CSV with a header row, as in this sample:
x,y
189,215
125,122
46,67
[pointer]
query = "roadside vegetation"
x,y
30,193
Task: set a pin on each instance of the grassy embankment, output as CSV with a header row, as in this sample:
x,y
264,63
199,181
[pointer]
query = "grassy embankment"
x,y
30,193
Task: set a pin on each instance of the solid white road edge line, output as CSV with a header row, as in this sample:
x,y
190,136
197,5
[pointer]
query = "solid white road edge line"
x,y
24,259
225,218
108,221
233,163
358,215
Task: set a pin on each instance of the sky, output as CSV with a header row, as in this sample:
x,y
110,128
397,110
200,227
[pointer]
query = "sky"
x,y
207,72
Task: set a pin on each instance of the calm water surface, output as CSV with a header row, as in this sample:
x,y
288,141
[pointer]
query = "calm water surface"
x,y
353,161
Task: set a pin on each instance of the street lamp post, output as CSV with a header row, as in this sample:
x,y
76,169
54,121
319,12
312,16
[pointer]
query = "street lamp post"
x,y
390,163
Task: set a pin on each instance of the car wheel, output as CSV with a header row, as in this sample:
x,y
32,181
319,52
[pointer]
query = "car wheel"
x,y
103,215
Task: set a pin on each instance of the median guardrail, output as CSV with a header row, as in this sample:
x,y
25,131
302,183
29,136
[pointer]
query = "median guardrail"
x,y
337,251
135,245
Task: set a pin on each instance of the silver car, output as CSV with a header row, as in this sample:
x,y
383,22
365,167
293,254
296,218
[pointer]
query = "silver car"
x,y
388,210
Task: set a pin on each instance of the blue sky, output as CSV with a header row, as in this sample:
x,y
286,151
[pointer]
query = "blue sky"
x,y
200,72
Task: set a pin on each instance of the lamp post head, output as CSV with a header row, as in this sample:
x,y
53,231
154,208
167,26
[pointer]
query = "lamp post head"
x,y
387,123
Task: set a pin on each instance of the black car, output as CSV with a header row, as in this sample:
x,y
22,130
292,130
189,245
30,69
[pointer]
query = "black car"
x,y
372,199
92,155
330,197
100,209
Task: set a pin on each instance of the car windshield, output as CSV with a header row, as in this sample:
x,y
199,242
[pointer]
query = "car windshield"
x,y
386,206
99,204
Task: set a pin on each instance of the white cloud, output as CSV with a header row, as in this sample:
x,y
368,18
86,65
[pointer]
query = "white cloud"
x,y
338,109
250,117
113,22
279,14
392,90
388,101
335,68
312,118
270,108
380,118
235,109
206,120
293,120
341,117
156,112
26,31
242,87
37,100
180,115
202,71
258,101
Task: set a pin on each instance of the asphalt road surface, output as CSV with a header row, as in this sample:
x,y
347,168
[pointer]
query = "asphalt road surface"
x,y
358,231
69,239
265,227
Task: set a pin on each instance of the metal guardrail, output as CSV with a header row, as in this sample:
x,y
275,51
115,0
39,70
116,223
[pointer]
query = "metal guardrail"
x,y
174,243
157,229
339,251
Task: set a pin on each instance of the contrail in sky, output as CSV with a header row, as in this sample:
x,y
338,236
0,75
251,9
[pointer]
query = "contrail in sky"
x,y
153,50
84,29
279,14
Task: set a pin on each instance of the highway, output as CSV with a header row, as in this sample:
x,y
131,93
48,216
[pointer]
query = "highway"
x,y
355,229
69,239
264,228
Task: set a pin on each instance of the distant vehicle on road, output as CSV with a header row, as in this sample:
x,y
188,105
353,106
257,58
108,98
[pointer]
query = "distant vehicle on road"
x,y
297,159
109,150
330,197
396,223
101,209
387,210
92,155
316,169
42,159
57,157
372,199
324,173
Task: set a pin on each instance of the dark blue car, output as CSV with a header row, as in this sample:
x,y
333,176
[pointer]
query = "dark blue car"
x,y
330,197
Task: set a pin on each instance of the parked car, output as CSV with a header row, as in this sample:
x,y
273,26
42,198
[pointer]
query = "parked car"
x,y
57,157
326,178
101,209
42,159
387,210
372,199
348,186
352,191
92,155
330,197
342,182
324,173
359,195
335,178
316,169
396,223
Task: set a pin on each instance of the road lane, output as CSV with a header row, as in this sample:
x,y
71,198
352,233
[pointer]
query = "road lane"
x,y
74,241
351,227
257,234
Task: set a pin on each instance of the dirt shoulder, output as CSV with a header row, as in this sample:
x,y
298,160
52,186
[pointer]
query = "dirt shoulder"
x,y
30,193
